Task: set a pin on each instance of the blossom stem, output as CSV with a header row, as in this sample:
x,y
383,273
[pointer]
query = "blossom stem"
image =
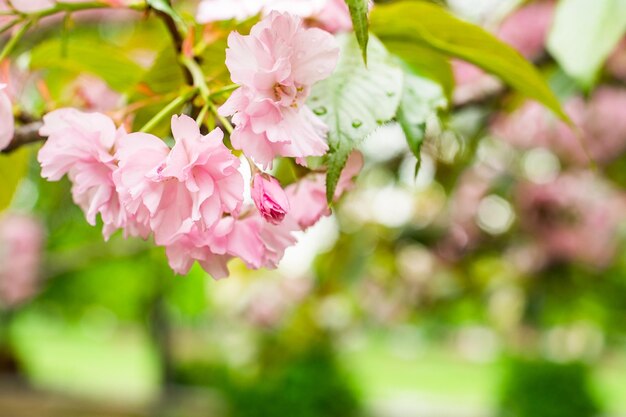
x,y
224,121
10,25
197,76
169,109
224,90
75,7
202,114
15,39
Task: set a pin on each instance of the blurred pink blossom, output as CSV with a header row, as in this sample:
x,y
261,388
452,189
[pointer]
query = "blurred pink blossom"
x,y
32,6
276,65
616,63
268,304
95,94
471,82
527,28
601,120
331,15
21,241
574,218
7,124
307,197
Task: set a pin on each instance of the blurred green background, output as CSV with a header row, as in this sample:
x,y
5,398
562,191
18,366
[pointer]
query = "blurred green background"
x,y
492,284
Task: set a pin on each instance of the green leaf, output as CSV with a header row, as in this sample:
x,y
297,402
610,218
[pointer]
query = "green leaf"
x,y
358,13
355,100
583,35
164,76
421,99
431,26
425,62
88,55
13,167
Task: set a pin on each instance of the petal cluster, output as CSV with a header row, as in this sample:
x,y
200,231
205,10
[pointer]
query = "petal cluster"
x,y
189,186
189,198
276,65
81,145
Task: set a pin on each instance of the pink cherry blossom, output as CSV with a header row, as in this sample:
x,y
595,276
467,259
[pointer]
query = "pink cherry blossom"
x,y
94,94
307,197
269,198
331,15
471,82
21,241
215,10
81,145
574,218
32,6
276,65
335,16
601,122
191,185
527,28
7,125
250,238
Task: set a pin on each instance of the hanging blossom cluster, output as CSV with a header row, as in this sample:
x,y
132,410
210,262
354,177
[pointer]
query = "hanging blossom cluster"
x,y
191,197
276,65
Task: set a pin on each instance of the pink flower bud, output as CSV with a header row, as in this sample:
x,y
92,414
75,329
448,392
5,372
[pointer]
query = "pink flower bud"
x,y
270,198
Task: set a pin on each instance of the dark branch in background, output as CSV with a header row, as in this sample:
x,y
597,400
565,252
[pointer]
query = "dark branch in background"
x,y
24,135
177,39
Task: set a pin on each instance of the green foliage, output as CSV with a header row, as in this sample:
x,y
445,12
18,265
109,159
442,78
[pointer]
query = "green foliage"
x,y
583,35
358,13
355,100
539,388
79,54
425,62
309,384
187,295
13,167
431,26
158,86
420,100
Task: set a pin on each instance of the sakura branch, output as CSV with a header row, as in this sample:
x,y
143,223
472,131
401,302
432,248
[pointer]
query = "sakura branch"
x,y
190,198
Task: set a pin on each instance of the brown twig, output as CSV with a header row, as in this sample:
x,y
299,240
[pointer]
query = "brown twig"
x,y
28,133
177,40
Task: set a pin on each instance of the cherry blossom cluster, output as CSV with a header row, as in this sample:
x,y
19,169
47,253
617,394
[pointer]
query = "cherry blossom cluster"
x,y
191,198
276,65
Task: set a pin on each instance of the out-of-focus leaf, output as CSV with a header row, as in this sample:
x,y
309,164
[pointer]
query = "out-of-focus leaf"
x,y
583,35
425,62
421,99
431,26
164,76
13,167
188,294
355,100
358,13
86,55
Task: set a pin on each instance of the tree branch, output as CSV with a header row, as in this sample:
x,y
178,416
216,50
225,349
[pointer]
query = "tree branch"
x,y
177,40
24,135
